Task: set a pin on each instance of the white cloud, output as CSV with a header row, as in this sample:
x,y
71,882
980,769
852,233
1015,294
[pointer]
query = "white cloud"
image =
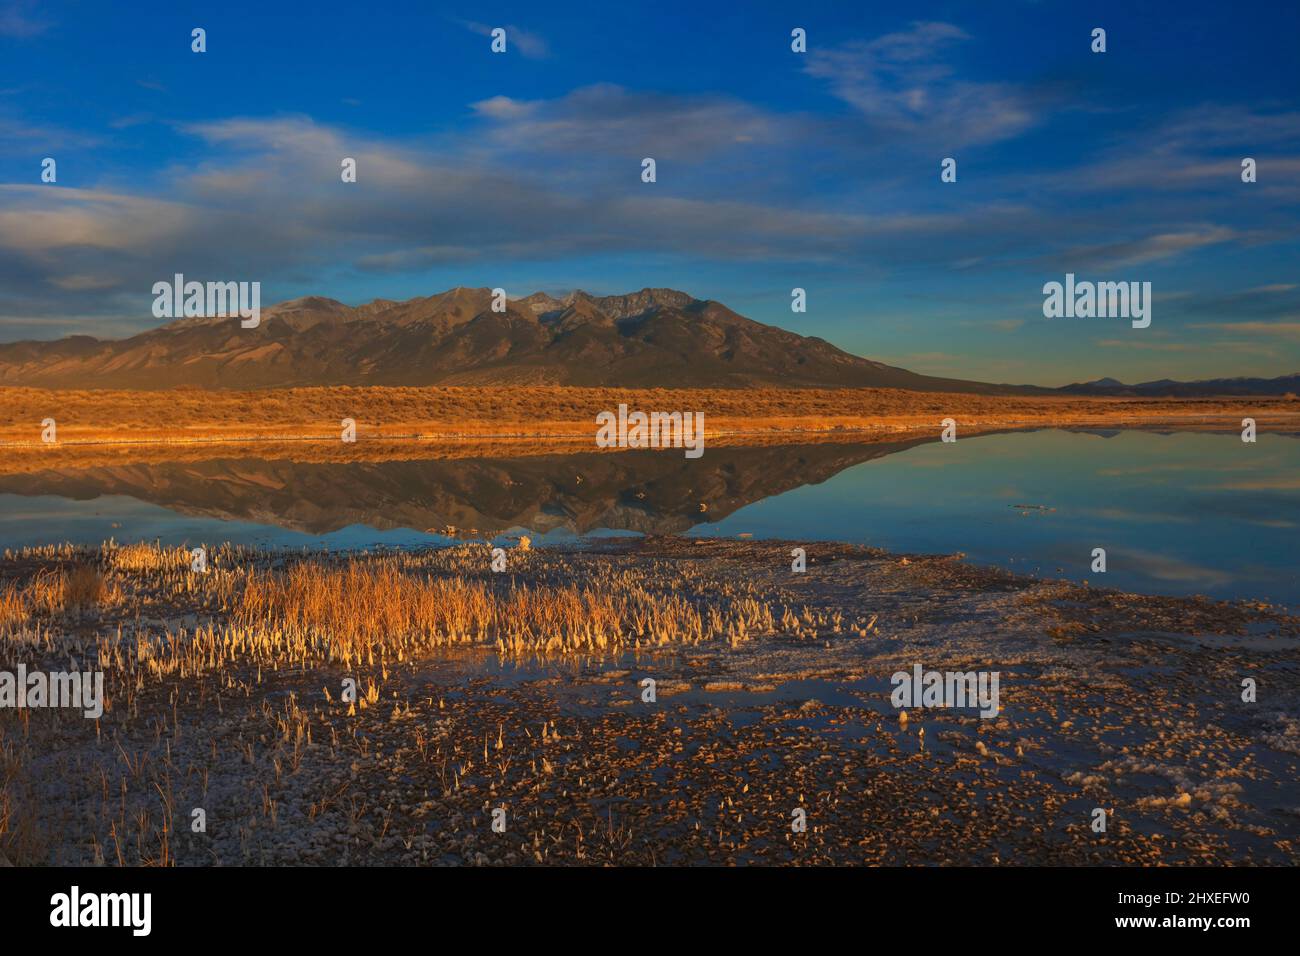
x,y
605,119
900,83
529,44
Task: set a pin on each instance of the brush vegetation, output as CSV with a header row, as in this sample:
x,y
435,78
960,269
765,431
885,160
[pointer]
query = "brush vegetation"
x,y
164,635
469,413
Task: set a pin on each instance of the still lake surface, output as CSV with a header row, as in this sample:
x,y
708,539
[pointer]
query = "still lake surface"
x,y
1178,513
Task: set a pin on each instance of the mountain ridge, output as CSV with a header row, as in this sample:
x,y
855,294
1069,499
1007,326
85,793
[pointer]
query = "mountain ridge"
x,y
655,337
1171,388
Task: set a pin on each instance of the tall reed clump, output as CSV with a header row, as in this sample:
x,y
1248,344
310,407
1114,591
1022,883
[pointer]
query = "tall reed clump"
x,y
367,607
14,611
83,587
146,557
72,590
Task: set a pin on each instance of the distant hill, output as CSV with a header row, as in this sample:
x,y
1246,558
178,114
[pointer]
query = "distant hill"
x,y
1205,387
655,337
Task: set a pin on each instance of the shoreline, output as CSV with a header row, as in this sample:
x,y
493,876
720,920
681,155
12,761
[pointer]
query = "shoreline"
x,y
520,413
1114,700
25,456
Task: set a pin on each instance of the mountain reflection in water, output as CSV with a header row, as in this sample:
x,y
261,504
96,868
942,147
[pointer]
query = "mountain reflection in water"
x,y
1177,513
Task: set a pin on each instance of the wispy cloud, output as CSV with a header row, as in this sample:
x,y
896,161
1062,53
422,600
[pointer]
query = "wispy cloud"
x,y
1145,346
1278,483
902,83
1195,147
420,203
1150,248
1286,330
529,44
534,179
275,183
606,119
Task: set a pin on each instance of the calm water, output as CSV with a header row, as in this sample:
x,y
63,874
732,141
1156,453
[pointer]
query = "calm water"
x,y
1176,513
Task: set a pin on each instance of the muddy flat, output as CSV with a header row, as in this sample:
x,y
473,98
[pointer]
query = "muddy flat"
x,y
772,695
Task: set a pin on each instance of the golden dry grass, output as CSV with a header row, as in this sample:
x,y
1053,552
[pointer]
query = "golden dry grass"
x,y
380,607
147,557
468,413
81,587
68,579
53,592
357,609
14,610
363,614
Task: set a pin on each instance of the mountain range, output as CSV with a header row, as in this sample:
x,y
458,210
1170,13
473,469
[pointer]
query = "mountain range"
x,y
655,337
1166,387
652,338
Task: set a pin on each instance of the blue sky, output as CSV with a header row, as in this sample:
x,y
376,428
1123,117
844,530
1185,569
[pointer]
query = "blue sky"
x,y
775,169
